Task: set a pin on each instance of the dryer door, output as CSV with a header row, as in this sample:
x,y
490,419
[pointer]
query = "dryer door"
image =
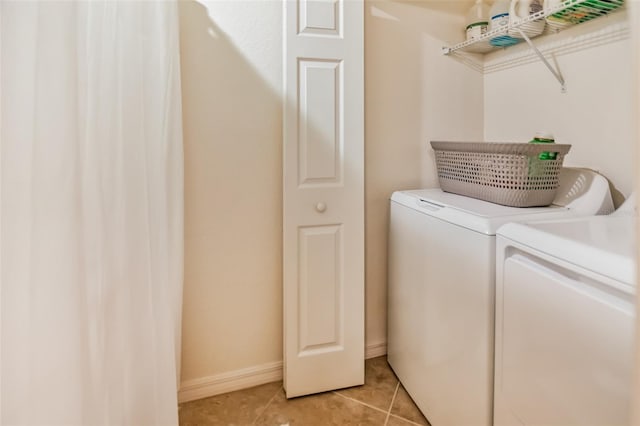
x,y
564,344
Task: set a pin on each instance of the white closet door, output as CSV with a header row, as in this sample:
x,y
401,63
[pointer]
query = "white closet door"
x,y
323,195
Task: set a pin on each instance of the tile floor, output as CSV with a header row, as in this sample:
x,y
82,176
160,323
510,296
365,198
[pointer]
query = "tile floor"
x,y
381,401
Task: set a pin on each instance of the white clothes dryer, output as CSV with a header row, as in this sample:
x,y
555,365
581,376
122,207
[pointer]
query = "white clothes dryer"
x,y
441,291
565,307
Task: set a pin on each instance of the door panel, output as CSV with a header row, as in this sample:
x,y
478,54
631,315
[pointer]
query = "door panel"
x,y
320,291
322,17
323,196
319,115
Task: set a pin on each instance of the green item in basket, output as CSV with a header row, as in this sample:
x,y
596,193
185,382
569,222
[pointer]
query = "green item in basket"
x,y
543,137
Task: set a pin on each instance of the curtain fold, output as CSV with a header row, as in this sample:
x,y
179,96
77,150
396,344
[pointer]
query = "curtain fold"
x,y
91,212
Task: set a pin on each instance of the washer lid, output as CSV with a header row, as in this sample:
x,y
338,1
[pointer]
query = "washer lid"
x,y
601,244
477,215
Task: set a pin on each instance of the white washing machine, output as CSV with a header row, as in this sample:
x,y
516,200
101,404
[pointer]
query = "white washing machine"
x,y
442,289
565,306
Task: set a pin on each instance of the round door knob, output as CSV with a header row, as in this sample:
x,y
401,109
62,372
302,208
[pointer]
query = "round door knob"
x,y
321,207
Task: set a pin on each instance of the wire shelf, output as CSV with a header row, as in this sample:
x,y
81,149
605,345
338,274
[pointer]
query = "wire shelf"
x,y
565,14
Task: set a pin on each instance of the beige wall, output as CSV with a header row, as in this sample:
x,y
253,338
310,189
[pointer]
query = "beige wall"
x,y
231,76
231,71
414,94
595,115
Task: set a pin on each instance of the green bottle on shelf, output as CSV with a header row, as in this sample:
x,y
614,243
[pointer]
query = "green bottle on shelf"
x,y
477,20
544,137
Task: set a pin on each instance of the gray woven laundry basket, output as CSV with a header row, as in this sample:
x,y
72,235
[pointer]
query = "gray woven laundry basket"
x,y
511,174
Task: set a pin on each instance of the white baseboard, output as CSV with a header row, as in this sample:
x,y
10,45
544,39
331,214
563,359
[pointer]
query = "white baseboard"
x,y
230,381
375,350
244,378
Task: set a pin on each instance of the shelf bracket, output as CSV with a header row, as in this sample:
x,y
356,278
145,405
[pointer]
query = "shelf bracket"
x,y
555,72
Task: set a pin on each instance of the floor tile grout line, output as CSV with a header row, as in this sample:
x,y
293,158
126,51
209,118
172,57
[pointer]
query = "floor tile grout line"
x,y
360,402
267,405
406,420
391,405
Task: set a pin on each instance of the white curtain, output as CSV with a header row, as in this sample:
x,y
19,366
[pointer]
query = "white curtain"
x,y
91,204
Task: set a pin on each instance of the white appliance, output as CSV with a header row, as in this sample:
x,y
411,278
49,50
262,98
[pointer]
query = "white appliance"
x,y
565,309
441,291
